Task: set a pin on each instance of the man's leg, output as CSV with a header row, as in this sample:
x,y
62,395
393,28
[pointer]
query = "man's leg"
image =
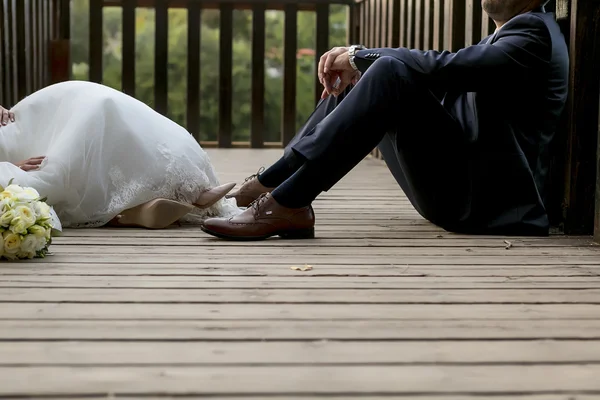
x,y
387,98
426,152
285,167
266,180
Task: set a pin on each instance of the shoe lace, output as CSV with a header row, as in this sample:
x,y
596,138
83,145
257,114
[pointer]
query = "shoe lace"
x,y
257,203
260,171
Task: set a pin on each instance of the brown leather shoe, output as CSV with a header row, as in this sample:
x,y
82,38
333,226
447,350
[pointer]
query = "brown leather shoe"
x,y
264,218
250,190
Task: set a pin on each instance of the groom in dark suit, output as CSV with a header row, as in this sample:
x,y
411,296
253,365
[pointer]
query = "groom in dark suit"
x,y
473,160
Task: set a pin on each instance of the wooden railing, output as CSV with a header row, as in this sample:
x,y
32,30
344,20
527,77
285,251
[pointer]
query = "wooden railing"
x,y
225,83
28,29
574,204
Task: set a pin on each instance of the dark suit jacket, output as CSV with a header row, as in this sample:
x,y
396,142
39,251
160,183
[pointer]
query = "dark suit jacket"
x,y
508,93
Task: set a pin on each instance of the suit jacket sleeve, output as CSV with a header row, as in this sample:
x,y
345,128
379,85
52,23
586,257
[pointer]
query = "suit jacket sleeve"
x,y
522,49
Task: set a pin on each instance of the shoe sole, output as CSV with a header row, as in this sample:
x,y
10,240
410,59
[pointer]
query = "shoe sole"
x,y
308,233
156,214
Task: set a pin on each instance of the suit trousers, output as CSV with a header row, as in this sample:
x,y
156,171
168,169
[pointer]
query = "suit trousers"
x,y
424,147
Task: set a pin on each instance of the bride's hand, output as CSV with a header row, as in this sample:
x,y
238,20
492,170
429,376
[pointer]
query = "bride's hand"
x,y
31,164
6,116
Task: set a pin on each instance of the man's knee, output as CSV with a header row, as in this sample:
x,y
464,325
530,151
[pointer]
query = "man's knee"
x,y
389,66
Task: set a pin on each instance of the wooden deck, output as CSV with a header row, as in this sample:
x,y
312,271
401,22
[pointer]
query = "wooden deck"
x,y
392,307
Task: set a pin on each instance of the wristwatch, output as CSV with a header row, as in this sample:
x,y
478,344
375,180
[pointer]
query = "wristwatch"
x,y
352,53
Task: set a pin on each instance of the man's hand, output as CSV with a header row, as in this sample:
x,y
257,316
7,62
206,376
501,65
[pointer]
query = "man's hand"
x,y
334,65
6,116
31,164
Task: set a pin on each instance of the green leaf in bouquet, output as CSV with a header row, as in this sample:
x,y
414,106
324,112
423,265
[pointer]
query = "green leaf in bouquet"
x,y
11,181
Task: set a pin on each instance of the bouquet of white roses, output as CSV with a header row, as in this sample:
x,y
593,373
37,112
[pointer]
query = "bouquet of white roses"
x,y
25,223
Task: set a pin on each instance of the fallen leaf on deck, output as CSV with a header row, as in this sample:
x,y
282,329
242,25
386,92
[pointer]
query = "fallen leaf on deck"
x,y
508,244
305,268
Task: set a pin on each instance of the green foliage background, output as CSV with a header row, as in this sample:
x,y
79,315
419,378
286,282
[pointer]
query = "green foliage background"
x,y
209,59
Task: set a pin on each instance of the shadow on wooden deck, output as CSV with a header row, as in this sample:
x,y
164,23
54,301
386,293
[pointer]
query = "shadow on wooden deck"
x,y
392,306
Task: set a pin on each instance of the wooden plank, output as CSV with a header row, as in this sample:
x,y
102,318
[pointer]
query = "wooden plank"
x,y
128,61
290,48
21,49
334,237
297,353
322,39
316,259
358,251
193,70
257,137
161,57
225,75
96,41
364,380
582,115
50,311
337,297
299,330
258,270
303,281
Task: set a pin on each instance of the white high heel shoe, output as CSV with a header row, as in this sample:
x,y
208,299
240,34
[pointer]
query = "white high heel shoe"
x,y
210,197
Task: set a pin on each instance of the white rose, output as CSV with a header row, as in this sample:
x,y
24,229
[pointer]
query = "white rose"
x,y
41,243
28,246
13,190
12,244
38,231
5,195
7,217
41,209
24,218
6,204
21,194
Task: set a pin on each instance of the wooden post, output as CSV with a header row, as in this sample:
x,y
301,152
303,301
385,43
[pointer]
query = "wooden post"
x,y
597,216
582,114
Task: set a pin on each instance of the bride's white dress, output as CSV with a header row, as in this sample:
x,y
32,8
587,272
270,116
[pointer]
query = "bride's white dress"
x,y
106,152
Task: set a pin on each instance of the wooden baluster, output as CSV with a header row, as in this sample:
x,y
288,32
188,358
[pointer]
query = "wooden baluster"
x,y
383,23
225,75
3,62
96,41
395,23
21,51
410,24
290,49
403,23
161,56
438,24
428,10
128,61
193,70
372,23
454,22
257,135
322,42
472,22
419,22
